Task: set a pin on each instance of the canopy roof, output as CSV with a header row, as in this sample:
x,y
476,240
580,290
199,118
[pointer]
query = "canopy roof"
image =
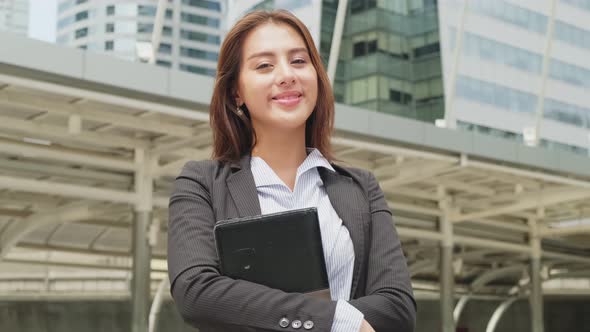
x,y
78,130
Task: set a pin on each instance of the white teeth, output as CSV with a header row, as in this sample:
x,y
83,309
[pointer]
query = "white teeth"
x,y
287,98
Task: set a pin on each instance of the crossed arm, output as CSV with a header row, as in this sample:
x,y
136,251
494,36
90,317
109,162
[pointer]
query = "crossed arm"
x,y
211,301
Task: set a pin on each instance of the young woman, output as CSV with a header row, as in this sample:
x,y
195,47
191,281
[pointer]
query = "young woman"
x,y
272,115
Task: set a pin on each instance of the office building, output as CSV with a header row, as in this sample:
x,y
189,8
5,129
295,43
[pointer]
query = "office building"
x,y
190,38
508,68
14,16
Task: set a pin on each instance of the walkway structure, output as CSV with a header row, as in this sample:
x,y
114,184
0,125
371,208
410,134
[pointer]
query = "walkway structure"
x,y
90,145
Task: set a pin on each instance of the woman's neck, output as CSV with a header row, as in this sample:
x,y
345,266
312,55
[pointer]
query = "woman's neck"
x,y
283,151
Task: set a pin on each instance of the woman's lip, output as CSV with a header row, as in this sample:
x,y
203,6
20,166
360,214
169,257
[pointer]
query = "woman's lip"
x,y
289,101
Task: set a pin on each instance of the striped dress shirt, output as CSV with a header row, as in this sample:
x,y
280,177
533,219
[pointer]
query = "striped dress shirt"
x,y
309,191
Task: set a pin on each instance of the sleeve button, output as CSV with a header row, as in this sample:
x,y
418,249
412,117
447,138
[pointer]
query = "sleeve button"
x,y
308,325
284,322
296,324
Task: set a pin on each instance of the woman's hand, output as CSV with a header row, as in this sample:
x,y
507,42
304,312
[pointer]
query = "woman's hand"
x,y
366,327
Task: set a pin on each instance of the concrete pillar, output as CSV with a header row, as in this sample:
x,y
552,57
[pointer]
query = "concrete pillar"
x,y
140,282
536,295
447,277
536,298
336,39
141,250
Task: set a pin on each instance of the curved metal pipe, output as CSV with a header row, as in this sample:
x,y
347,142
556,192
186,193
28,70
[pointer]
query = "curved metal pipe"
x,y
460,306
498,314
157,304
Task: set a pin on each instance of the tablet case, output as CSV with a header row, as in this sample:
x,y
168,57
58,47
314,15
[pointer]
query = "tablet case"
x,y
280,250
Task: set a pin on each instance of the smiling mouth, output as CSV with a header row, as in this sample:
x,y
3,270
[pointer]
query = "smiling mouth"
x,y
288,96
290,99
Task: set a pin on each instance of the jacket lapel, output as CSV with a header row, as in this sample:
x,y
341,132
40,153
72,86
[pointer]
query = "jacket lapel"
x,y
348,201
243,189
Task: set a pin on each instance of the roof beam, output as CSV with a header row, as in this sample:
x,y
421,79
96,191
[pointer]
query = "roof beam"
x,y
17,230
68,190
108,98
546,198
69,172
418,174
564,231
86,112
65,155
58,133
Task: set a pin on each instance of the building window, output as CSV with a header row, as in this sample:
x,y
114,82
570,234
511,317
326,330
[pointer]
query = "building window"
x,y
198,54
359,49
199,36
145,27
198,19
109,45
82,16
109,27
364,47
110,10
81,1
400,97
203,4
427,50
151,11
83,47
197,70
81,33
165,48
362,5
148,28
146,10
164,63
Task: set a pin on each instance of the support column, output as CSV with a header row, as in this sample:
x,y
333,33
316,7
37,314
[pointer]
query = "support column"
x,y
336,39
447,277
536,295
140,282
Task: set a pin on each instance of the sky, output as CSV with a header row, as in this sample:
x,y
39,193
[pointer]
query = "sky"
x,y
42,19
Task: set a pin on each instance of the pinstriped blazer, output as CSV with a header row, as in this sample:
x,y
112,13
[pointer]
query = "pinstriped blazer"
x,y
209,191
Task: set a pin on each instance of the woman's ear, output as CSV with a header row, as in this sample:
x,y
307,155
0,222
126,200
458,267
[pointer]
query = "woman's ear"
x,y
237,99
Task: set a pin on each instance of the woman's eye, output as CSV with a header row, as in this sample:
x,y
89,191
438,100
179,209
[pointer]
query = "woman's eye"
x,y
263,66
298,61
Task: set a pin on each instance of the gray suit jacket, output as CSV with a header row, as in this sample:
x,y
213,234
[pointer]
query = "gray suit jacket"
x,y
209,191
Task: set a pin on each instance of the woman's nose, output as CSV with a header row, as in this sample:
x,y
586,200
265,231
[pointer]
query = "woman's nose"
x,y
285,75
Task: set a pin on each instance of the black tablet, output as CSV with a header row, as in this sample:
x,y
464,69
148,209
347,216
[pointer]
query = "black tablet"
x,y
280,250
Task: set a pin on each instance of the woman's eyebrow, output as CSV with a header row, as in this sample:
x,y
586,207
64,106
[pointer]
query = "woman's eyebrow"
x,y
270,53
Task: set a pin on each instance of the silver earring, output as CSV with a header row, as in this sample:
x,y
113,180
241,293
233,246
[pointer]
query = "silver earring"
x,y
239,111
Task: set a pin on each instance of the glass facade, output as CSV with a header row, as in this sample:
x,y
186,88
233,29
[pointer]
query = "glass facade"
x,y
582,4
389,57
197,69
211,5
495,95
191,30
511,14
567,113
572,34
198,19
490,50
518,91
575,75
200,36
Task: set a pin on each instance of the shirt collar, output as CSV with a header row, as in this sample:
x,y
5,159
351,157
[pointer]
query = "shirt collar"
x,y
265,176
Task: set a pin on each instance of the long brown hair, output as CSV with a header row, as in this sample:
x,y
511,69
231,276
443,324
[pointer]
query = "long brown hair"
x,y
233,135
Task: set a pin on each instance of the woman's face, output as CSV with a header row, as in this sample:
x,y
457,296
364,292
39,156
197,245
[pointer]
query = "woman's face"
x,y
277,81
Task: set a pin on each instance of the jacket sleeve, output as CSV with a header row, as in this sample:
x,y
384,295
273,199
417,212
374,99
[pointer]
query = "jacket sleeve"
x,y
205,298
389,303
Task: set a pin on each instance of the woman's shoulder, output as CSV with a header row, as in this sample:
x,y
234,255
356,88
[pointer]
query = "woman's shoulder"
x,y
204,171
361,175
